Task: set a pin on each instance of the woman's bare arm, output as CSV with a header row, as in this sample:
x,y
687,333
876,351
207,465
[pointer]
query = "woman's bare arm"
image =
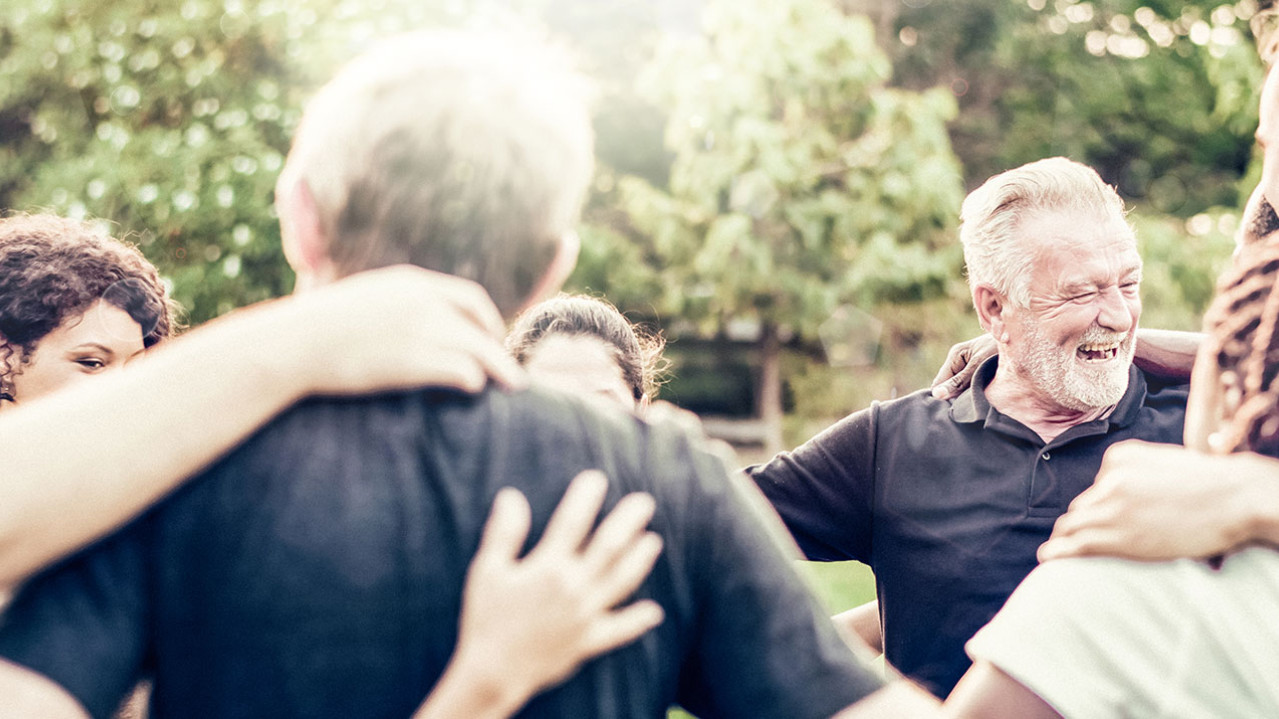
x,y
79,464
863,623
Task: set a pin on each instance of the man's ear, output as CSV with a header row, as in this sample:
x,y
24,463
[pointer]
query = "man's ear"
x,y
991,305
305,246
558,271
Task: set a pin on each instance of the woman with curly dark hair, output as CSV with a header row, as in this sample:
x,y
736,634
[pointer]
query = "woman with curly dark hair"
x,y
73,302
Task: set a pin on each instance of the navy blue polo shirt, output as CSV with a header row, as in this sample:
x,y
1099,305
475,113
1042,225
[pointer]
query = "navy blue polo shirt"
x,y
317,572
947,501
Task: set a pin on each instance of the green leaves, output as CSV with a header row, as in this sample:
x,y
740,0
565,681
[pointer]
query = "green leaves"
x,y
799,180
167,119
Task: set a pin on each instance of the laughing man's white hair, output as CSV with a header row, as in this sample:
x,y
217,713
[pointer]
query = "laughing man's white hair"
x,y
994,253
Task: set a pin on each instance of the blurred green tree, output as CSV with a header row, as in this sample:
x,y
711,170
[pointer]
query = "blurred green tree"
x,y
171,118
1159,97
800,182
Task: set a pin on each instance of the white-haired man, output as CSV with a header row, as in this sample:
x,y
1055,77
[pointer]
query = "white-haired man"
x,y
317,570
1125,618
948,501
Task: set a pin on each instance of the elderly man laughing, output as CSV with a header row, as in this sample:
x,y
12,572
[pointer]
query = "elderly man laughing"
x,y
948,500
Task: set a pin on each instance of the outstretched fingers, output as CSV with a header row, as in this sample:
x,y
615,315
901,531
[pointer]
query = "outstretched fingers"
x,y
573,519
623,626
506,529
624,576
619,531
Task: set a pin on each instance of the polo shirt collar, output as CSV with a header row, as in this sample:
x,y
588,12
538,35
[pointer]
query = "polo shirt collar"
x,y
972,406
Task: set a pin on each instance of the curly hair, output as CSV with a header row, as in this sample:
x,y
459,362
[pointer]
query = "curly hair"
x,y
638,351
53,268
1242,324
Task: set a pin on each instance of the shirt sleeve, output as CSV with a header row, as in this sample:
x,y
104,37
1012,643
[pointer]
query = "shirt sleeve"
x,y
824,490
762,645
82,623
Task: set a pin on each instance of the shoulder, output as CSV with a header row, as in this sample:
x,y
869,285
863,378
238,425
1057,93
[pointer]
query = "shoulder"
x,y
536,439
437,417
913,411
916,405
1163,392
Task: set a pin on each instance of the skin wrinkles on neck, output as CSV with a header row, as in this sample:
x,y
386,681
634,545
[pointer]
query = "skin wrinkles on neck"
x,y
1042,414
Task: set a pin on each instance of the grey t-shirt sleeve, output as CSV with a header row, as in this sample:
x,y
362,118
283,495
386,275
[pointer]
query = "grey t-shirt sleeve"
x,y
82,623
763,646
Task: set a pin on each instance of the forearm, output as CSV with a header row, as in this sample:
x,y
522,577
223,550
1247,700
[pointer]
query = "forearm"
x,y
1256,511
467,690
1167,353
863,623
79,464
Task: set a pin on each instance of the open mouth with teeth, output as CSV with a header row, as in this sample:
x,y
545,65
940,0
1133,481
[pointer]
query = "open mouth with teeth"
x,y
1098,351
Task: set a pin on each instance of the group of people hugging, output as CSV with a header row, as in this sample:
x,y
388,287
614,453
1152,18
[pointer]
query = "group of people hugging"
x,y
373,499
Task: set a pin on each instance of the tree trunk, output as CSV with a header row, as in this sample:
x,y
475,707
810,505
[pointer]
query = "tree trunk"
x,y
768,395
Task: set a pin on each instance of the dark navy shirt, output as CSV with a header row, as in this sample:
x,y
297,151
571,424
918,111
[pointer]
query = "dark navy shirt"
x,y
317,572
948,503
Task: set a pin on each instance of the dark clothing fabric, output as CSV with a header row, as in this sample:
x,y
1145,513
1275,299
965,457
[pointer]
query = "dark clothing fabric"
x,y
948,503
317,572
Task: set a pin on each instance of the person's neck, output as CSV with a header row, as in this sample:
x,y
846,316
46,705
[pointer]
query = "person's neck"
x,y
1015,397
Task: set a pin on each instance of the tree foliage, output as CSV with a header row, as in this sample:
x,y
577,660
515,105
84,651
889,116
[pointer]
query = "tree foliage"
x,y
1159,97
800,181
168,119
171,118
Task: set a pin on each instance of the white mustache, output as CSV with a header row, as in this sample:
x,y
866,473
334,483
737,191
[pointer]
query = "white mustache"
x,y
1098,336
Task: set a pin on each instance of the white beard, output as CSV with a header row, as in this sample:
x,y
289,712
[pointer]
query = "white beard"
x,y
1072,383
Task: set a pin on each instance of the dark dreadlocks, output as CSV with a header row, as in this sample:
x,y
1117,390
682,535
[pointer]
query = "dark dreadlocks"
x,y
1243,326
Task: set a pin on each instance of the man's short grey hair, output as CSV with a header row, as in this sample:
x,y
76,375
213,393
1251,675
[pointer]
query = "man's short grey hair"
x,y
464,153
994,253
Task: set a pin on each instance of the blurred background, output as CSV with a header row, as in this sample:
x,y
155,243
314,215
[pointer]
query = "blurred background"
x,y
778,181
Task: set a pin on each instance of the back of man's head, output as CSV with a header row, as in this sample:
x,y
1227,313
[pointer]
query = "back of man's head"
x,y
994,252
464,153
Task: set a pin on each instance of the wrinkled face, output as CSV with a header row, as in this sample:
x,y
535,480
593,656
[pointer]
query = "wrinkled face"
x,y
1073,345
582,365
105,337
1260,217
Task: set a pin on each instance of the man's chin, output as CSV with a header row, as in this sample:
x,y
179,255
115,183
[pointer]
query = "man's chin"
x,y
1099,385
